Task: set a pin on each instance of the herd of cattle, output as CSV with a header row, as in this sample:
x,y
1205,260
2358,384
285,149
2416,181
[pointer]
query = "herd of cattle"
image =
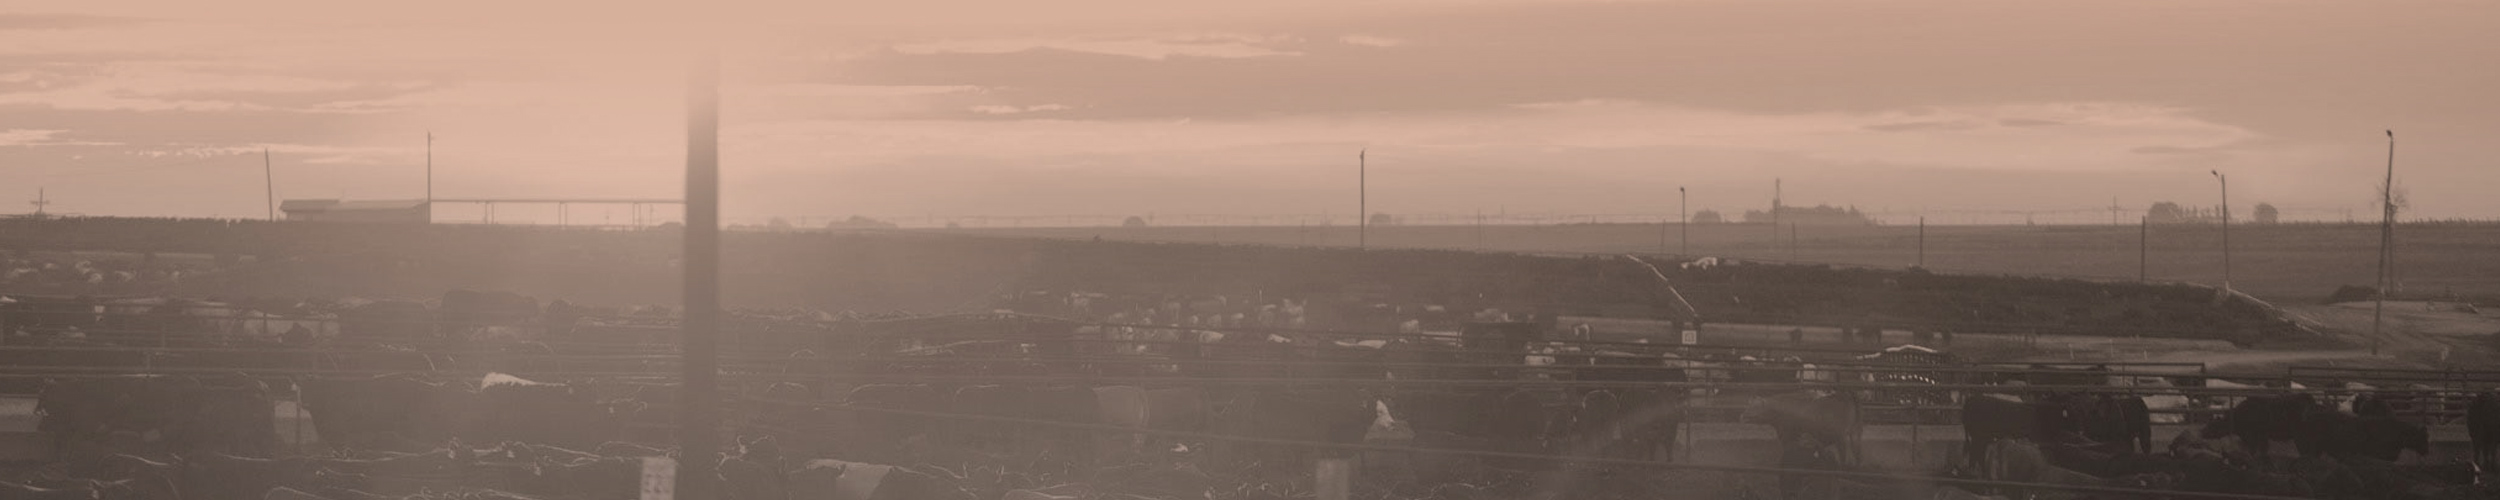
x,y
1230,393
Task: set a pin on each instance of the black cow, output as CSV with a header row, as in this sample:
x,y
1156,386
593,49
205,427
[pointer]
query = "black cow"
x,y
543,413
397,320
2108,418
2260,420
1338,416
2381,437
388,412
1815,431
1988,419
1648,418
2482,425
2369,404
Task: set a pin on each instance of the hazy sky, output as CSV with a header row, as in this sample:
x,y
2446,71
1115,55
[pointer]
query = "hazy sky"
x,y
1180,107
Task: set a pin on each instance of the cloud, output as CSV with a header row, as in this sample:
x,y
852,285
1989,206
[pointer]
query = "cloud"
x,y
38,137
62,21
1157,48
22,137
1371,41
1927,125
1011,110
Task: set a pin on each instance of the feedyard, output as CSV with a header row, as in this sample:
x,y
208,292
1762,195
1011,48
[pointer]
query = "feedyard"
x,y
1129,371
809,386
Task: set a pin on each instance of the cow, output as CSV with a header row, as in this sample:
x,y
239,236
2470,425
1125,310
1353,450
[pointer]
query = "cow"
x,y
2109,418
1987,419
2482,426
2260,420
2381,437
385,412
395,320
1815,431
1648,418
1333,416
513,409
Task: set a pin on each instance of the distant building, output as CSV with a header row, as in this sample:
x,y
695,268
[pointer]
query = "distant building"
x,y
1814,215
386,211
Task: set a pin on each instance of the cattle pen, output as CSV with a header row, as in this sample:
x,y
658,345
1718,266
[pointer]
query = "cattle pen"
x,y
1905,424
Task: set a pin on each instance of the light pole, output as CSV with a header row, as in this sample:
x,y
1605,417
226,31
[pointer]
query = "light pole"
x,y
1684,220
2226,229
2386,239
1362,200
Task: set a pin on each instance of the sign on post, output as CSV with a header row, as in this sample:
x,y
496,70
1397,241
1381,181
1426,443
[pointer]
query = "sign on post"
x,y
659,478
1335,479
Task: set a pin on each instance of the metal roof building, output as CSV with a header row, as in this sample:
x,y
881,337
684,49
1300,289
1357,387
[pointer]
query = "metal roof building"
x,y
407,211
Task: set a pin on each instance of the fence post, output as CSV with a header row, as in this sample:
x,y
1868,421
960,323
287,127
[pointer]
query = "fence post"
x,y
1916,416
1335,478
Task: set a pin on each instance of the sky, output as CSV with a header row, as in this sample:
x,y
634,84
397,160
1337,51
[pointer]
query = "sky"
x,y
1128,107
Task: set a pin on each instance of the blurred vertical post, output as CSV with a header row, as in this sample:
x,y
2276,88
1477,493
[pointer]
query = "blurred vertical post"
x,y
2386,240
2226,232
1335,478
1362,200
269,181
1922,241
696,435
2144,249
1684,220
429,177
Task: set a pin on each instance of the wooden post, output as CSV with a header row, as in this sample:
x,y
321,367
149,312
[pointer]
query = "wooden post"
x,y
1915,416
698,434
1335,479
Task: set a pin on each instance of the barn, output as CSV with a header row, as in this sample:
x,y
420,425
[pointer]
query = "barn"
x,y
409,211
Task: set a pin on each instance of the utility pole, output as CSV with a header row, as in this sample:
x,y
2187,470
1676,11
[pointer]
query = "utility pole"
x,y
2226,230
1922,242
269,183
40,200
2386,240
2144,249
2113,210
429,177
697,437
1362,200
1775,213
1684,220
